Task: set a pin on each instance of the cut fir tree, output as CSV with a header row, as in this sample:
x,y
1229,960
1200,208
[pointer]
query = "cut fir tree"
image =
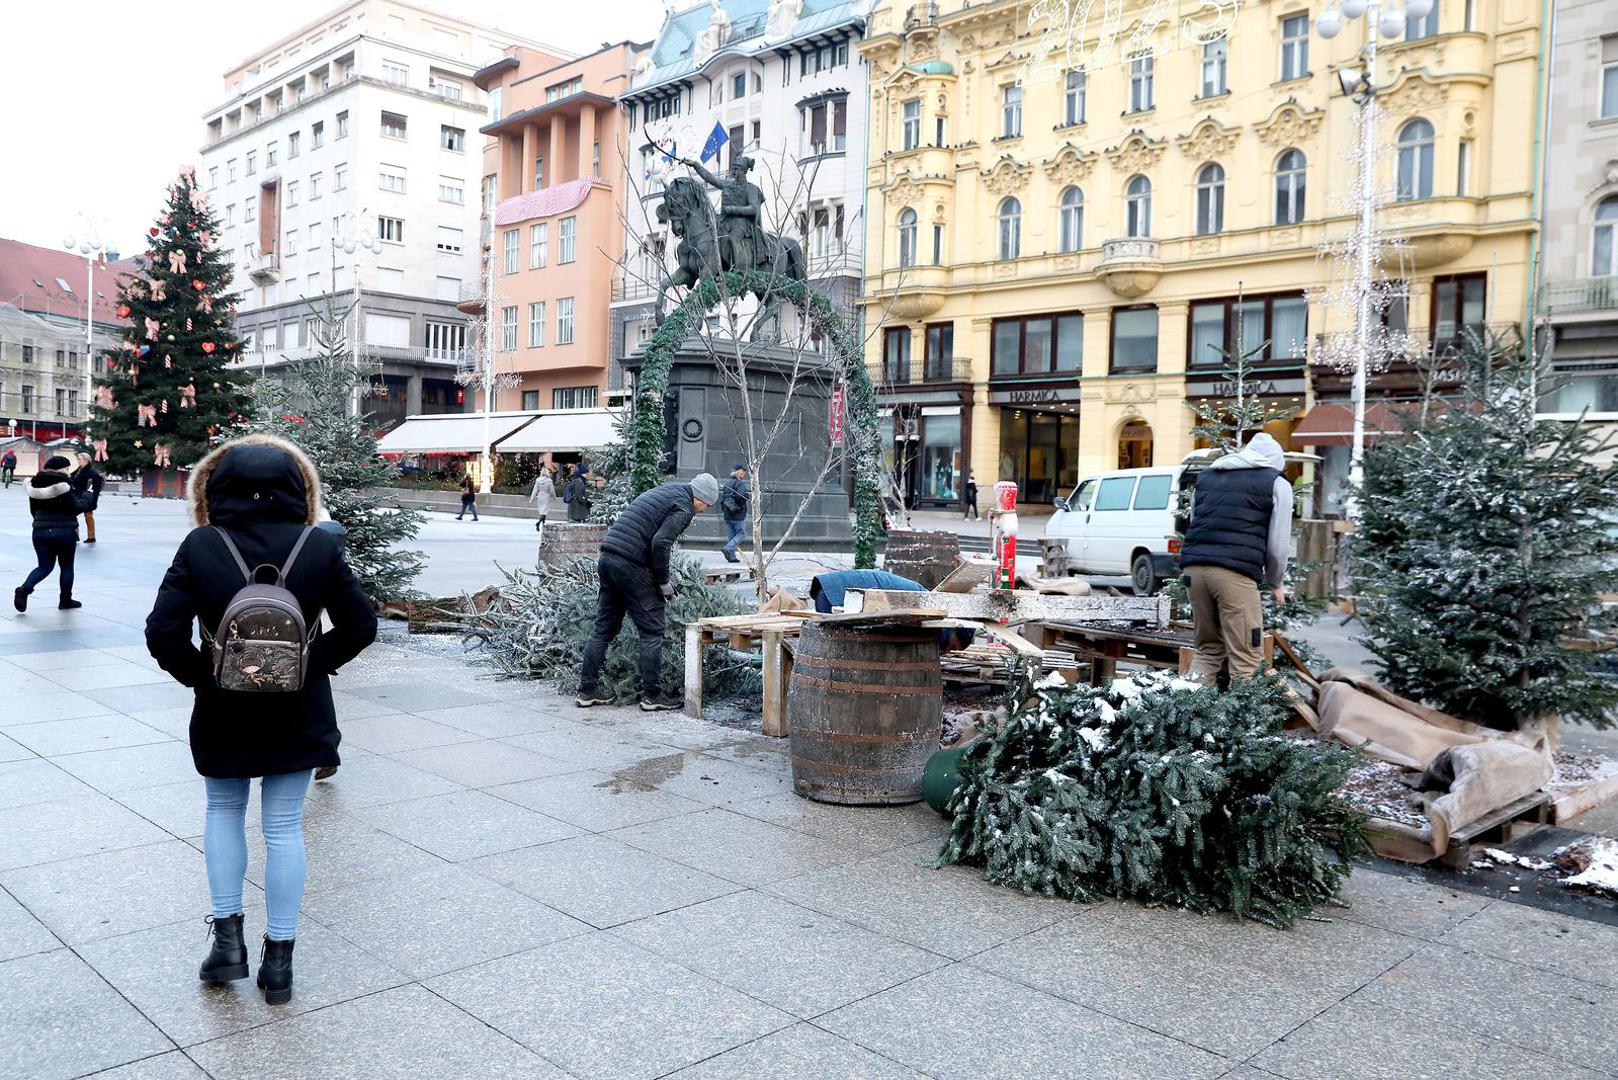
x,y
166,391
319,405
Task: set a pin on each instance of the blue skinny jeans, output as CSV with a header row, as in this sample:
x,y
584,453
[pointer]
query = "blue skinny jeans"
x,y
224,844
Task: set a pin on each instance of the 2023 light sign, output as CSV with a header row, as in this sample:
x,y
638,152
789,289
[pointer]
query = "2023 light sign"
x,y
1093,34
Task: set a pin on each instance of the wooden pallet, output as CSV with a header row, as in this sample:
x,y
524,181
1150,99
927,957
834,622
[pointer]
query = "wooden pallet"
x,y
1105,646
717,574
768,633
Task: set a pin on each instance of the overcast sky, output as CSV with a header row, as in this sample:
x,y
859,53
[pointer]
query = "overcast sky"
x,y
101,101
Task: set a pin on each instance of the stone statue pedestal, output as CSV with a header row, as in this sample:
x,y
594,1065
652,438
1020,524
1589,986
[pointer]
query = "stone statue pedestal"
x,y
703,416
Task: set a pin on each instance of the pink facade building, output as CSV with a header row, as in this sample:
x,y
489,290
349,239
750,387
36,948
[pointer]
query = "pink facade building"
x,y
553,205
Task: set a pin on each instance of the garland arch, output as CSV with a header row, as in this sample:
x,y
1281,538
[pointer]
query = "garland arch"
x,y
646,428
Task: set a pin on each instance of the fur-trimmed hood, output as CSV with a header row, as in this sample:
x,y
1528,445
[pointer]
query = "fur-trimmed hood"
x,y
49,485
255,478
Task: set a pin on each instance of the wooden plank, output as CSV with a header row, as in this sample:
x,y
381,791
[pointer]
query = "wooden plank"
x,y
693,670
969,573
1019,644
912,615
775,690
1017,606
1303,669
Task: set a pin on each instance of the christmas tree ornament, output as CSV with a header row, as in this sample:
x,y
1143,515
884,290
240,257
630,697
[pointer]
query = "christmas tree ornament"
x,y
145,415
188,396
153,231
196,283
151,329
176,262
188,326
123,311
168,362
138,444
160,292
100,446
163,406
208,346
207,305
143,350
160,456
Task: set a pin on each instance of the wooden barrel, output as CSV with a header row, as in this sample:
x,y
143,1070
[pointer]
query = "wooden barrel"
x,y
921,556
562,540
863,710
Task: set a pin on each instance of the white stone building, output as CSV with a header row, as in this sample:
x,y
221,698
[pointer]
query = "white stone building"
x,y
785,81
360,124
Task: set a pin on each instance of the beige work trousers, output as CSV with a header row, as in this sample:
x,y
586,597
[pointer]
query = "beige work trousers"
x,y
1229,622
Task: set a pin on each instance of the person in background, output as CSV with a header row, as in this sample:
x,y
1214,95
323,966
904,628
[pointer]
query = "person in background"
x,y
971,492
469,497
8,466
1241,528
577,494
542,496
88,476
265,494
634,573
733,502
55,504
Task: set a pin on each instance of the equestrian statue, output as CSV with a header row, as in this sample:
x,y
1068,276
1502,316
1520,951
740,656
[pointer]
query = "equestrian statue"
x,y
733,239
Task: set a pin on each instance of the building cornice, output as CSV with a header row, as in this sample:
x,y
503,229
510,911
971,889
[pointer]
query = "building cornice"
x,y
337,88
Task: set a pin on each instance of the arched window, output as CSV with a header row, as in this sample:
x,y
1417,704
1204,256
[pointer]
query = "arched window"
x,y
1290,178
1604,242
1071,219
1138,207
1415,146
1210,199
1010,228
907,238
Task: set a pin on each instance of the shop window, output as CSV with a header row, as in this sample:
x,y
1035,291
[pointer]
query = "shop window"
x,y
1134,340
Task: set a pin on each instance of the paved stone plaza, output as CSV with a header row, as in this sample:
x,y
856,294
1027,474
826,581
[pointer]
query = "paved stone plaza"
x,y
502,886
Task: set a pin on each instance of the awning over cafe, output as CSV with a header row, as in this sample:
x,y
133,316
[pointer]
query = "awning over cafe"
x,y
1331,424
450,433
563,431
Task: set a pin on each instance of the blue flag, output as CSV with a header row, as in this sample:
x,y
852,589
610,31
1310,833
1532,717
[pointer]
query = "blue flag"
x,y
716,140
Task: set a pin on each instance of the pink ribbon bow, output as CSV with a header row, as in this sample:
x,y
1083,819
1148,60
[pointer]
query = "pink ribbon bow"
x,y
188,396
100,446
151,329
177,261
160,456
145,415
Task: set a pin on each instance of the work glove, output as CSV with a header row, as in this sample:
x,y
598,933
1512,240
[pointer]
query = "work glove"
x,y
667,589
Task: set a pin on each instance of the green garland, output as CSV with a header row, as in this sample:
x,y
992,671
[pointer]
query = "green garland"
x,y
647,431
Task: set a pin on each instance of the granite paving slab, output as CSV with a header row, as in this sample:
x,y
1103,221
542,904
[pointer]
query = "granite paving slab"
x,y
114,892
178,809
366,779
1404,905
85,733
130,768
1187,975
601,881
1364,1040
353,707
1578,948
59,1019
798,960
135,700
465,824
600,1007
483,763
580,746
394,733
948,910
11,750
736,848
156,970
72,660
872,828
32,779
414,696
405,1032
800,1051
494,719
719,781
113,673
438,920
1566,1019
597,801
341,850
37,705
44,832
963,1022
173,1065
20,933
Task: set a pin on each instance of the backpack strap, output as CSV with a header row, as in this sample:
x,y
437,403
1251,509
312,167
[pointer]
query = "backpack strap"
x,y
235,554
286,568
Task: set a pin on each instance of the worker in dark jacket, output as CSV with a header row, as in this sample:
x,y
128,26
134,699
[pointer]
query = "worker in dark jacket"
x,y
1241,528
264,492
634,573
56,505
88,478
733,500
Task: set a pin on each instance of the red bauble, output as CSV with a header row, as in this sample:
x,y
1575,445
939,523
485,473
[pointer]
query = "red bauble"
x,y
123,311
153,230
207,346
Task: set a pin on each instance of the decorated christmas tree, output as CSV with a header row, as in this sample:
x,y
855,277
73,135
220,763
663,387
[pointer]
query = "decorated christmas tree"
x,y
165,392
314,408
1484,547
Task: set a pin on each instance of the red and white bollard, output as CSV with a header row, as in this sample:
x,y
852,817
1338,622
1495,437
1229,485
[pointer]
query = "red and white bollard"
x,y
1003,524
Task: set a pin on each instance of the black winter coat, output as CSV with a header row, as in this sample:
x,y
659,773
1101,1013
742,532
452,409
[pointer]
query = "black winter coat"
x,y
647,529
89,478
263,491
56,503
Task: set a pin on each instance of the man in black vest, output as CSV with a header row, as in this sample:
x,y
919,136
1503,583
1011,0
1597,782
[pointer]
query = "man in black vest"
x,y
1241,528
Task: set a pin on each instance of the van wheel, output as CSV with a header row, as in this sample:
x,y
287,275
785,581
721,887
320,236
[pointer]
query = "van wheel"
x,y
1141,576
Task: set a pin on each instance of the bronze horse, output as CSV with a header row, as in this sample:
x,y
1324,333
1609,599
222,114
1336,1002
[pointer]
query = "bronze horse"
x,y
704,251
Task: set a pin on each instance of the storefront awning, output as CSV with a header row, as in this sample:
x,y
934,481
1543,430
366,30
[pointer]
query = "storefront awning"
x,y
564,431
1331,424
450,433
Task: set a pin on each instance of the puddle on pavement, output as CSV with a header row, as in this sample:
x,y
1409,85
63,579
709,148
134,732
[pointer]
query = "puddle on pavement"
x,y
647,775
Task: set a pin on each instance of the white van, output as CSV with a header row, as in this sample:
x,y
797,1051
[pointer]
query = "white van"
x,y
1126,522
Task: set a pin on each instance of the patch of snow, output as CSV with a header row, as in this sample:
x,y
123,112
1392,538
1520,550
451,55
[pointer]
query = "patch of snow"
x,y
1096,741
1602,871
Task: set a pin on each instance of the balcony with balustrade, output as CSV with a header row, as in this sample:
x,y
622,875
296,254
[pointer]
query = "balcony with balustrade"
x,y
1582,299
1130,266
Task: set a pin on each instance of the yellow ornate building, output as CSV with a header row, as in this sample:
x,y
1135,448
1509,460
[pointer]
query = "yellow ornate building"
x,y
1056,248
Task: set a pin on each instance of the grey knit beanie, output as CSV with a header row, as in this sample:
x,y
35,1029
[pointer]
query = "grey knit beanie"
x,y
705,487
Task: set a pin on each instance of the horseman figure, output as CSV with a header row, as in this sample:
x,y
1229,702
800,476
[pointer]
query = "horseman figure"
x,y
741,206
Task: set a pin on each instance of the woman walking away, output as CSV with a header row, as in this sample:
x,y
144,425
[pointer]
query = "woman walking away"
x,y
56,505
255,501
542,496
469,498
88,477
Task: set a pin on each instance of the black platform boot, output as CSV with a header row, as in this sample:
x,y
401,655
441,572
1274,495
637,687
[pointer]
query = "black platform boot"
x,y
227,959
275,971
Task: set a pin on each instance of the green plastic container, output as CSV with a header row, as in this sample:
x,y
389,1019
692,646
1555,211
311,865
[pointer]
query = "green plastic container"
x,y
942,776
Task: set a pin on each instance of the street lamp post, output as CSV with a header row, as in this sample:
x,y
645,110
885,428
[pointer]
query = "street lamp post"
x,y
355,237
88,244
1360,86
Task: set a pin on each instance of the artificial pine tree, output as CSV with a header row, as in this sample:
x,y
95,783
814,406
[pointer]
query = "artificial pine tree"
x,y
314,408
166,392
1484,544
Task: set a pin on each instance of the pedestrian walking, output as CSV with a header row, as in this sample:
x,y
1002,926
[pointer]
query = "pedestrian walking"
x,y
469,498
255,502
55,504
971,493
542,496
8,466
577,494
1241,527
733,502
88,477
634,574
